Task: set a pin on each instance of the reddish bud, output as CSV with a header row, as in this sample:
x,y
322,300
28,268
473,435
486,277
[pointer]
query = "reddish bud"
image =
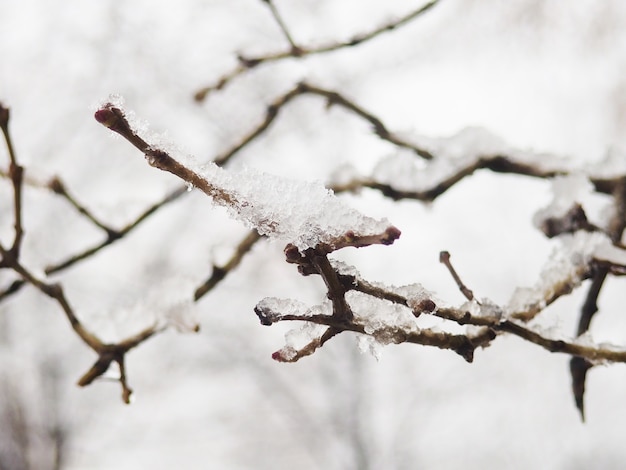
x,y
292,254
391,235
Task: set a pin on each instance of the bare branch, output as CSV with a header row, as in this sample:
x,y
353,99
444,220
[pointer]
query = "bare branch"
x,y
580,366
247,63
283,27
115,235
220,273
444,258
57,186
16,174
333,98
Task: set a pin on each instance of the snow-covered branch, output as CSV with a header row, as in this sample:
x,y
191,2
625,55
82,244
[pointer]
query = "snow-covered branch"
x,y
315,224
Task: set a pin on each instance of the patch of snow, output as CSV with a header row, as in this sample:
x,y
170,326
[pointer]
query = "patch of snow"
x,y
567,264
567,191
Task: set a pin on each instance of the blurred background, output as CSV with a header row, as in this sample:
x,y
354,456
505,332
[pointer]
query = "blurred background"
x,y
543,75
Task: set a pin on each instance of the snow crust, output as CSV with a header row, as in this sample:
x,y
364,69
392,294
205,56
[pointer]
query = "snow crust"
x,y
299,212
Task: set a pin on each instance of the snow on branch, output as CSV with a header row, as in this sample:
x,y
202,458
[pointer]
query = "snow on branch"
x,y
306,214
315,223
296,51
390,315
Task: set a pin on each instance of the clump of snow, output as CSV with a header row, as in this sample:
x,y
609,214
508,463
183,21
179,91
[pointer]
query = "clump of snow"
x,y
294,307
606,251
470,306
299,212
380,318
567,191
566,266
483,308
298,338
370,345
611,166
345,269
415,295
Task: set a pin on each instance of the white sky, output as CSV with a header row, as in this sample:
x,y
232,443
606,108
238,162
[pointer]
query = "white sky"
x,y
546,76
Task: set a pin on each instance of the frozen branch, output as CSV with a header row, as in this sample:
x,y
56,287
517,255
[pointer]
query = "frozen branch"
x,y
306,214
386,327
16,174
220,272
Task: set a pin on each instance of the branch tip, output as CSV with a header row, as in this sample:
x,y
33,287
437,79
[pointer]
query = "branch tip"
x,y
5,113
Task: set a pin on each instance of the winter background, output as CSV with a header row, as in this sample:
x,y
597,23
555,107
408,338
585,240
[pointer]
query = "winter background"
x,y
542,75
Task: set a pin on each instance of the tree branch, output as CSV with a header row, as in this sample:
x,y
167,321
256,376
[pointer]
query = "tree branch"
x,y
247,63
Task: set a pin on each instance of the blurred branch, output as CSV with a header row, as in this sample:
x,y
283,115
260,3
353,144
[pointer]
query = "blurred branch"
x,y
57,186
16,174
580,366
283,27
248,63
220,272
10,259
113,235
496,163
332,98
107,353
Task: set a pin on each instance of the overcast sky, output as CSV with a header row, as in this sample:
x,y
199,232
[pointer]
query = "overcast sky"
x,y
542,75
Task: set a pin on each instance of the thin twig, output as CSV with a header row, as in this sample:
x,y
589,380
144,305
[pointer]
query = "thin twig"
x,y
283,27
496,163
444,258
57,186
16,174
333,98
220,272
114,235
247,63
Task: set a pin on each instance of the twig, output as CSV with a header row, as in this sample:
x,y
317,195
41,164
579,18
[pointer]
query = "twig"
x,y
220,272
333,98
283,27
497,163
57,186
444,258
114,119
107,353
580,366
114,235
16,174
247,63
336,291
